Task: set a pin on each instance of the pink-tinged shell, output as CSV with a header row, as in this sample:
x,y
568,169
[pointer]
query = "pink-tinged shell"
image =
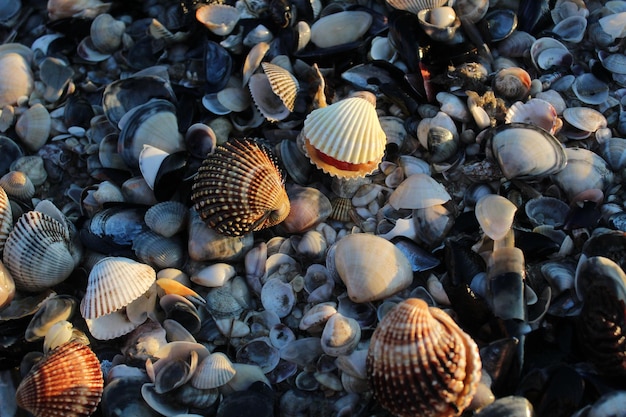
x,y
239,189
220,19
66,383
535,111
113,283
345,139
420,362
17,78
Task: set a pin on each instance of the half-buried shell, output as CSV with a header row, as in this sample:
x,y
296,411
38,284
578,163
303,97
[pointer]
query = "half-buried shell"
x,y
345,139
67,382
239,189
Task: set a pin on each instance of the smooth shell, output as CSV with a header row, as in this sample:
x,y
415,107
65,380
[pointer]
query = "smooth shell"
x,y
340,28
495,215
17,80
418,191
239,189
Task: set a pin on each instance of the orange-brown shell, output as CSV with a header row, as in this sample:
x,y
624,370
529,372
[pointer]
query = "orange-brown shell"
x,y
420,362
239,189
67,382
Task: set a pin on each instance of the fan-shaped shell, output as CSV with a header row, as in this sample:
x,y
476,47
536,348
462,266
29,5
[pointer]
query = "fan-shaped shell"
x,y
418,191
214,371
239,189
414,6
113,283
39,252
33,126
495,215
283,83
420,362
345,139
67,382
167,218
106,33
534,111
6,218
17,185
269,104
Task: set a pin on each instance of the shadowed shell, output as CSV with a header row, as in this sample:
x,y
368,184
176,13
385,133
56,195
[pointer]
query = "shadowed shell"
x,y
67,382
239,189
274,91
283,83
345,139
415,6
420,362
6,218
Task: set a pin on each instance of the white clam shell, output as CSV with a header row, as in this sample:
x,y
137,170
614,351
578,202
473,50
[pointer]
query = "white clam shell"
x,y
495,215
110,326
415,6
341,335
367,277
278,296
584,170
418,191
214,275
534,111
220,19
340,28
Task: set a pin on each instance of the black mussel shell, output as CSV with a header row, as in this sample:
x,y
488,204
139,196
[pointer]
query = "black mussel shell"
x,y
78,111
498,24
170,175
113,230
217,67
9,152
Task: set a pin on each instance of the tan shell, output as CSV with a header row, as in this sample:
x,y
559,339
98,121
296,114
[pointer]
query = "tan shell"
x,y
67,382
220,19
214,371
420,362
283,83
33,126
239,189
110,287
495,215
17,185
6,218
345,139
415,6
39,252
17,78
367,277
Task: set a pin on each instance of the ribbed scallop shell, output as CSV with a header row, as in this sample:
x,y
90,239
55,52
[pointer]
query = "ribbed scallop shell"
x,y
283,83
414,6
6,218
420,362
113,283
38,252
17,185
167,218
67,382
345,139
239,189
214,371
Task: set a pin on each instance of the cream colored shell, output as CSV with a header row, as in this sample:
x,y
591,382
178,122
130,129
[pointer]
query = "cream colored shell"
x,y
283,83
415,6
214,371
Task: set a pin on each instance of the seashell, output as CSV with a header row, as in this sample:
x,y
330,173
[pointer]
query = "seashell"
x,y
153,123
453,106
366,277
440,23
253,60
516,45
17,186
167,218
340,28
546,210
54,309
39,252
278,296
106,33
315,317
200,140
220,19
57,76
590,90
234,99
553,97
539,153
512,83
546,53
441,144
327,130
33,127
244,174
109,288
159,251
214,275
295,161
33,167
534,111
213,371
414,6
309,208
582,121
274,92
7,287
416,343
566,8
161,403
511,405
17,80
87,51
59,9
495,215
613,151
68,378
341,335
259,352
259,34
471,10
418,191
571,29
585,170
615,63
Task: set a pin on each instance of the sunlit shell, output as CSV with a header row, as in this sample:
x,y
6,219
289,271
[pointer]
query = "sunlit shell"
x,y
214,371
440,23
418,191
345,139
167,218
420,362
7,287
274,92
113,283
534,111
283,83
239,189
585,170
585,119
415,6
495,215
512,83
548,52
17,78
39,252
17,186
340,28
220,19
59,9
571,29
67,382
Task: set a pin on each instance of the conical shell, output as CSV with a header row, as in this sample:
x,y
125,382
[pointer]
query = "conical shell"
x,y
420,362
239,189
214,371
345,139
6,218
113,283
68,382
38,252
283,83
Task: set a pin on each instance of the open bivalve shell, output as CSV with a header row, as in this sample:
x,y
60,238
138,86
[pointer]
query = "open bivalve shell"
x,y
66,382
345,139
274,91
40,252
420,362
239,189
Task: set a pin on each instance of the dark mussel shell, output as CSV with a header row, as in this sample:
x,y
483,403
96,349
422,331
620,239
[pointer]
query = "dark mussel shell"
x,y
217,67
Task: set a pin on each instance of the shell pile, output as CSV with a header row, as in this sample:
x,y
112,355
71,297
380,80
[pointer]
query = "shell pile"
x,y
300,208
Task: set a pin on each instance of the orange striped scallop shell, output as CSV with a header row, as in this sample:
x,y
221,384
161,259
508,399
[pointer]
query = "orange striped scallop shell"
x,y
66,383
420,362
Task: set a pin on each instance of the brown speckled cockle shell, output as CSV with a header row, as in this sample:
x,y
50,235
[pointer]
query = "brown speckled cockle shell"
x,y
239,188
67,382
420,363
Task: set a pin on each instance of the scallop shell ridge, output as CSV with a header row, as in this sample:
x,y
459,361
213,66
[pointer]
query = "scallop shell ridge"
x,y
283,83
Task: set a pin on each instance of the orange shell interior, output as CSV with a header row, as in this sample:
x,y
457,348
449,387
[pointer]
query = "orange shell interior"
x,y
335,167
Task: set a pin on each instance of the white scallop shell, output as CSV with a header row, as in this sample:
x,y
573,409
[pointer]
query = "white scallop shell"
x,y
39,252
214,371
534,111
418,191
268,103
110,286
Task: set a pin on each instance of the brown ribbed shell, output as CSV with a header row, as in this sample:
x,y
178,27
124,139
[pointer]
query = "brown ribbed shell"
x,y
68,382
239,189
420,363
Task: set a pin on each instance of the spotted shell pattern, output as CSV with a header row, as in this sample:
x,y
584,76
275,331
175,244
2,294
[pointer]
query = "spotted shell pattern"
x,y
68,382
420,362
239,189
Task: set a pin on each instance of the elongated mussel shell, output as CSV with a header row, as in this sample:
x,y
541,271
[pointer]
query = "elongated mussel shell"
x,y
68,382
239,189
420,362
